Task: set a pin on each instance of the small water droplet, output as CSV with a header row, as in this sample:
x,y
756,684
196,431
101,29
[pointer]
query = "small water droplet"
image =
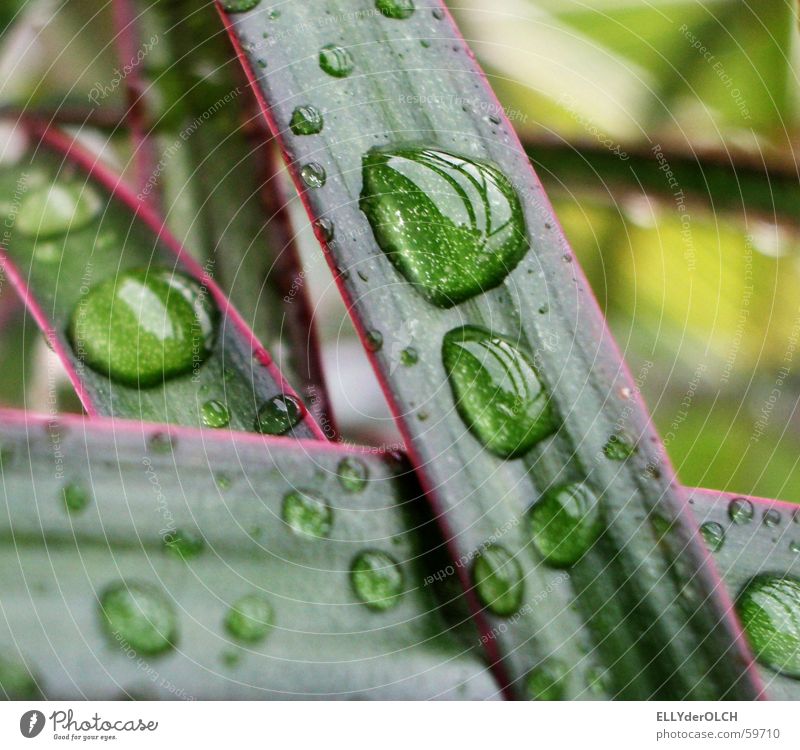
x,y
336,61
794,546
373,341
139,616
325,228
278,415
16,681
769,609
307,514
231,658
262,63
377,579
239,6
498,580
313,175
249,619
495,119
740,511
399,9
409,356
452,226
353,474
547,681
618,448
76,498
274,15
425,43
565,523
143,327
438,14
771,518
161,443
184,544
713,534
223,480
52,210
214,413
306,120
497,391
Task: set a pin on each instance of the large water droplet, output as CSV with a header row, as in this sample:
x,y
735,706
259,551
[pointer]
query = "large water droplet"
x,y
353,474
713,535
498,580
52,210
214,413
565,523
278,415
399,9
769,608
185,545
249,619
547,682
377,579
452,226
306,120
307,514
143,327
740,511
497,391
76,497
336,61
239,6
140,617
313,175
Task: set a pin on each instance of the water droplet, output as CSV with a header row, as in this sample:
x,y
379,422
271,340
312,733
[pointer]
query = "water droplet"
x,y
249,619
713,534
230,658
398,9
139,616
306,120
498,580
143,327
438,14
794,546
377,579
53,210
363,276
547,682
769,609
452,226
325,228
16,681
409,356
373,341
239,6
184,544
336,61
771,518
215,414
223,481
161,443
543,309
262,63
307,514
425,43
274,15
313,175
353,474
76,497
278,415
497,391
618,448
740,511
495,119
564,523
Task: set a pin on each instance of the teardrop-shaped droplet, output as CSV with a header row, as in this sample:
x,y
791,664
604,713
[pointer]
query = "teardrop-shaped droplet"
x,y
76,497
249,619
278,415
325,228
336,61
618,448
409,356
353,474
377,579
452,226
239,6
547,681
143,327
740,511
16,681
183,544
769,609
498,580
497,391
399,9
53,210
713,535
306,120
307,514
313,175
771,518
139,616
373,340
565,523
214,413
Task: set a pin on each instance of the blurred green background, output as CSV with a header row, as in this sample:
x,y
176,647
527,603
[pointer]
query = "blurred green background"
x,y
665,133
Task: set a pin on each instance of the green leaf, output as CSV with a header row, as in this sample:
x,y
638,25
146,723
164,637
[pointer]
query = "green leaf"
x,y
411,84
97,603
